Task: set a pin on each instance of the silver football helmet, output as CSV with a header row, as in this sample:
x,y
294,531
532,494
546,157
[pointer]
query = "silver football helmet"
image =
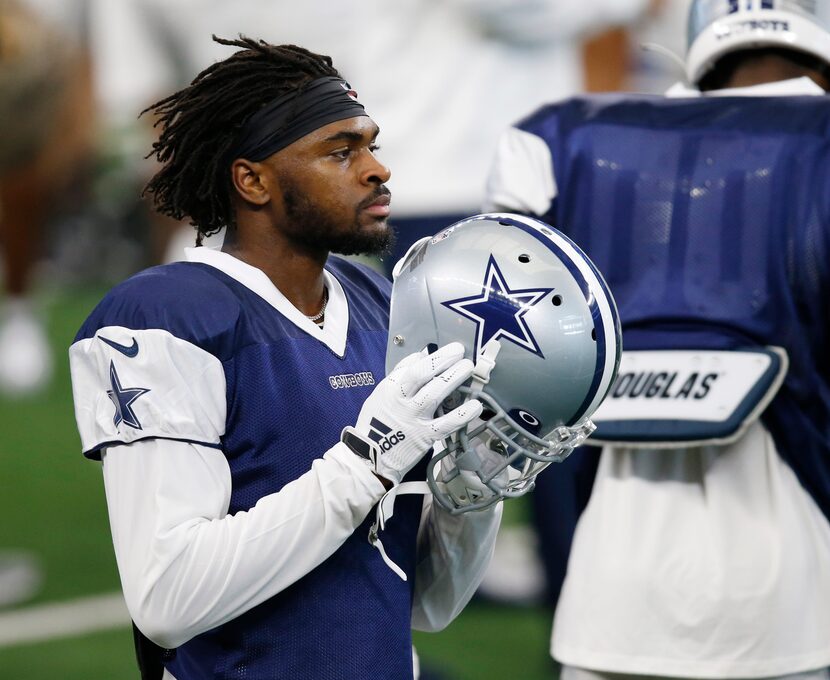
x,y
537,319
717,27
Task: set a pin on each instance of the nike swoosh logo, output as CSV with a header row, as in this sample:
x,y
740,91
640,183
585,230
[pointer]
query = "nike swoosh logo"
x,y
130,351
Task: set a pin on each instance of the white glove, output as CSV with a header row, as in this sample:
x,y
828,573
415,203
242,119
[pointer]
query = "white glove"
x,y
397,423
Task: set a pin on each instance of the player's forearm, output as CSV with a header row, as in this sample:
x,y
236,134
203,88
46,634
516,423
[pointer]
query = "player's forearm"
x,y
453,554
187,566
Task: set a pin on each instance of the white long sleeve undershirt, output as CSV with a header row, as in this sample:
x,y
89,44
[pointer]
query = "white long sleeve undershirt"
x,y
187,566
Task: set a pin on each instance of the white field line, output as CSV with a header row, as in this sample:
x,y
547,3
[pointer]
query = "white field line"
x,y
64,619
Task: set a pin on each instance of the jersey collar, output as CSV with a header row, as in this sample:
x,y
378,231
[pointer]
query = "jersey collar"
x,y
334,330
783,88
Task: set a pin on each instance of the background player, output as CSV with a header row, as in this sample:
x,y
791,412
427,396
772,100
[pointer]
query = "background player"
x,y
706,554
45,73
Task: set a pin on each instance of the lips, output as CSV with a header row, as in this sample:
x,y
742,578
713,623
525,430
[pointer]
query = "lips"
x,y
379,207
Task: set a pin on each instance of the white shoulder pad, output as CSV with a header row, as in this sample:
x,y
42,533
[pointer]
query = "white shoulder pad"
x,y
138,384
521,178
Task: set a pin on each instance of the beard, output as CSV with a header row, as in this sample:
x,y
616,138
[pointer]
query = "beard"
x,y
313,228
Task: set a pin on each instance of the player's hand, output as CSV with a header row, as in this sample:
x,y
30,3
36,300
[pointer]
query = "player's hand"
x,y
397,424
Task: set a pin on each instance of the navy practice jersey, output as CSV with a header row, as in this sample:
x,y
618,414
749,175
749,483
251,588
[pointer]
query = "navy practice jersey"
x,y
205,344
710,219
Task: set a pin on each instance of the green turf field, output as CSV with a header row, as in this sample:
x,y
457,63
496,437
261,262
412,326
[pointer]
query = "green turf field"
x,y
52,503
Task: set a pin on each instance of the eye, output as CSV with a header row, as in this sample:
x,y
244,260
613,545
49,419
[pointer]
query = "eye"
x,y
374,148
342,154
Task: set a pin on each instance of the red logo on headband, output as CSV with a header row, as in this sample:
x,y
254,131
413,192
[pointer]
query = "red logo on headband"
x,y
349,91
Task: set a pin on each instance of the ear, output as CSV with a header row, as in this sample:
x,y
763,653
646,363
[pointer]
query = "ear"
x,y
249,182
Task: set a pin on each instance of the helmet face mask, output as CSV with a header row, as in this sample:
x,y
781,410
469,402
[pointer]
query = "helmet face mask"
x,y
463,480
537,319
719,27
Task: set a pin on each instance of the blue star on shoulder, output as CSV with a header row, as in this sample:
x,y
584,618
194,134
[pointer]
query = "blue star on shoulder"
x,y
498,311
122,398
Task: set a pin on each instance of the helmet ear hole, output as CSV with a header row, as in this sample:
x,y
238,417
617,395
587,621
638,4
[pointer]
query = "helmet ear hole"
x,y
524,258
556,300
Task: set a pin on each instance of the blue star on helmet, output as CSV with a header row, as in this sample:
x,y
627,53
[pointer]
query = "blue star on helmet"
x,y
122,398
499,311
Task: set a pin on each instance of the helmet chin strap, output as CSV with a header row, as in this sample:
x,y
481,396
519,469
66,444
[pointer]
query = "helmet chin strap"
x,y
385,511
485,363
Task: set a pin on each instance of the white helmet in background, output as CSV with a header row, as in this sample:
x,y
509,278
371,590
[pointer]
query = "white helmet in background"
x,y
718,27
537,319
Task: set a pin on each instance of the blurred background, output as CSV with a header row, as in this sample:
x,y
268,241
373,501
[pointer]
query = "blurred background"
x,y
441,77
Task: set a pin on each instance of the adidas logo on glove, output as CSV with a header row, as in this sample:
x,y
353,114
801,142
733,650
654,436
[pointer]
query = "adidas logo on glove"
x,y
380,434
406,400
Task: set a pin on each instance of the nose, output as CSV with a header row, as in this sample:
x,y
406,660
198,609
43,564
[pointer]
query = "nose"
x,y
375,172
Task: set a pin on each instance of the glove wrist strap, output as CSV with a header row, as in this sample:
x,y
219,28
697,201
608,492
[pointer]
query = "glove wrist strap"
x,y
358,444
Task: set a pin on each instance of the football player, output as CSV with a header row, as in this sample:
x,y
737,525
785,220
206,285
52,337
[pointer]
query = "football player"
x,y
215,392
703,550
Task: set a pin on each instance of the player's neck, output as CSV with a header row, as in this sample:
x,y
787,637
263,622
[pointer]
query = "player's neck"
x,y
298,275
771,70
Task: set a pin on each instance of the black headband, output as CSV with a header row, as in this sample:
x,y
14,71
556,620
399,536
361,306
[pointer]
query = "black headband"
x,y
292,116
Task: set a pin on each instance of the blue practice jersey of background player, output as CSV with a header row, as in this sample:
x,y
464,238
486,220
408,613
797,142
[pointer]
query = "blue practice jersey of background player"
x,y
710,219
187,352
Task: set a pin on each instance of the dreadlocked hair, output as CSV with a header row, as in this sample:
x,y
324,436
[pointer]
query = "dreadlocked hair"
x,y
200,123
